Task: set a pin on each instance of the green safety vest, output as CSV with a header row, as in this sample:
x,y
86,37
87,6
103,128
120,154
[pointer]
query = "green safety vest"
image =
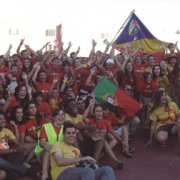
x,y
51,135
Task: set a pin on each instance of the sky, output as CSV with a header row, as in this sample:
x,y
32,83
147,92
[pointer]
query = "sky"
x,y
83,20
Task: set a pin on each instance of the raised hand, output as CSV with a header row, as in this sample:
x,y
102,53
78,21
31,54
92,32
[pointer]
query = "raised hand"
x,y
24,75
55,79
13,123
70,44
94,43
110,73
92,102
10,47
22,40
66,77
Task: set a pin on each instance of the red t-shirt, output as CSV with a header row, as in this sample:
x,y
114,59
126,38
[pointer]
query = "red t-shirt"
x,y
31,127
173,78
44,88
12,104
4,69
110,78
44,109
147,89
85,75
125,81
53,73
112,119
102,125
137,68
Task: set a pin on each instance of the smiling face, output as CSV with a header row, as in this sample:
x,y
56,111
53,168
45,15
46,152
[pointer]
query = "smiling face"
x,y
149,79
42,77
56,63
38,100
151,61
81,105
55,94
98,113
109,66
26,63
163,64
22,92
72,108
59,118
129,66
157,70
70,135
19,114
173,61
32,109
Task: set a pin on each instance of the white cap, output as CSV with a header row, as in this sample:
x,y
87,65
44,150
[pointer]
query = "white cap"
x,y
110,61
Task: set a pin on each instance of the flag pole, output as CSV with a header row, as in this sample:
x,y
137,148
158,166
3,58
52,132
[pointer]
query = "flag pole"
x,y
122,26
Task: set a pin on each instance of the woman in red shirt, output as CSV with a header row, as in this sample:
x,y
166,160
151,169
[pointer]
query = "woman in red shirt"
x,y
34,122
147,88
102,125
20,97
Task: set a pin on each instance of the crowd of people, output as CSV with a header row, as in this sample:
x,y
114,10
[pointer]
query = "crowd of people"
x,y
49,114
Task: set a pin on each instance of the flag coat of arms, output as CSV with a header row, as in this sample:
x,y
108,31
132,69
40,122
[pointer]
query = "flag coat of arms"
x,y
106,91
136,32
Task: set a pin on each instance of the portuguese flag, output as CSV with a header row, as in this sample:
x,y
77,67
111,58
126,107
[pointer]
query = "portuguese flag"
x,y
106,91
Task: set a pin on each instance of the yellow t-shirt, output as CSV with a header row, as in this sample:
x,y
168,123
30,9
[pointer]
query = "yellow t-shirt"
x,y
149,69
162,81
5,136
170,67
165,116
74,120
67,151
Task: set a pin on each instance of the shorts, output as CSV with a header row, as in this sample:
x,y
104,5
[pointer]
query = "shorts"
x,y
119,131
167,128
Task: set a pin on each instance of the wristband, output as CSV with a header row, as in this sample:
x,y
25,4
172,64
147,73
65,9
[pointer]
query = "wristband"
x,y
65,81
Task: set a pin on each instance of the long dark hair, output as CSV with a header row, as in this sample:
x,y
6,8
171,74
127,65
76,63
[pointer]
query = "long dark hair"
x,y
38,116
13,115
17,89
132,73
24,69
157,100
176,69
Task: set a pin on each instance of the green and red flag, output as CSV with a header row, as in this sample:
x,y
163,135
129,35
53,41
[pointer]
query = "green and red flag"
x,y
106,91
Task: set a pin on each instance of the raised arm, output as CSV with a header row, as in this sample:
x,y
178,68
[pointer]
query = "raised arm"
x,y
86,113
19,47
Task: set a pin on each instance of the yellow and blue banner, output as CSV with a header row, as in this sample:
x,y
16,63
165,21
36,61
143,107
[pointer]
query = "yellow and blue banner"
x,y
136,32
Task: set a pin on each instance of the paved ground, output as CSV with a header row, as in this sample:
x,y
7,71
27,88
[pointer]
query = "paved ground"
x,y
155,163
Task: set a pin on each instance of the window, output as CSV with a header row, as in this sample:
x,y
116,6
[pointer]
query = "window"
x,y
13,31
50,32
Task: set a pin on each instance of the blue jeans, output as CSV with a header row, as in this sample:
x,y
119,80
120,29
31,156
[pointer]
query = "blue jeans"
x,y
103,173
13,163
